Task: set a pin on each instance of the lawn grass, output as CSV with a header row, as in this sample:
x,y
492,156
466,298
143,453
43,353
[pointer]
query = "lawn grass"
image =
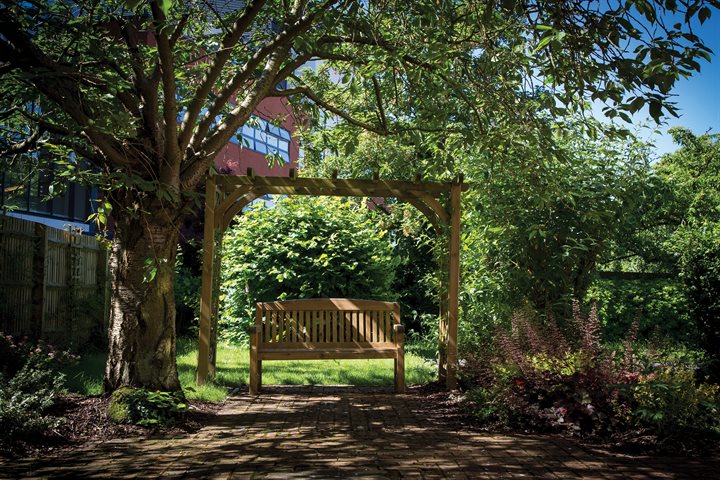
x,y
86,376
233,370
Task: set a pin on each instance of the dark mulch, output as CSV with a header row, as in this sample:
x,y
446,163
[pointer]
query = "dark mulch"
x,y
446,407
86,421
451,410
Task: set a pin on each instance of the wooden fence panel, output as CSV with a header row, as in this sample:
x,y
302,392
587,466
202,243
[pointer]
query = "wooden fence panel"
x,y
16,274
53,283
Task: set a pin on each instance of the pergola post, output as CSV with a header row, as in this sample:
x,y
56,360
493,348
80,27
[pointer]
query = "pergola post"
x,y
215,310
443,327
206,291
453,286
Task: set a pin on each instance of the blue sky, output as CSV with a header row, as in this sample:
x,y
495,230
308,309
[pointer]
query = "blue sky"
x,y
697,97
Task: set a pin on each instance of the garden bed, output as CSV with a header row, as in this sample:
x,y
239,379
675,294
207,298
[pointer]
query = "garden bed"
x,y
86,421
454,411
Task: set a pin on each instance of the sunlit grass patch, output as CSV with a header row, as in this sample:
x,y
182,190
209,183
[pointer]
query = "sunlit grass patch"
x,y
233,370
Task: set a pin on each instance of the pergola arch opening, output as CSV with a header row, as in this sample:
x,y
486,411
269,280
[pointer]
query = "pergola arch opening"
x,y
227,195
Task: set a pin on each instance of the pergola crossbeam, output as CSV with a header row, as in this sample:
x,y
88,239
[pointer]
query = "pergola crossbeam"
x,y
229,182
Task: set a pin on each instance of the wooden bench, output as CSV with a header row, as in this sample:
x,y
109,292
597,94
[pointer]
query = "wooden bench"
x,y
326,328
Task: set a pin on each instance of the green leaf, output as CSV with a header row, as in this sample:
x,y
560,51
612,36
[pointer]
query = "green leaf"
x,y
703,14
133,4
166,6
544,42
655,108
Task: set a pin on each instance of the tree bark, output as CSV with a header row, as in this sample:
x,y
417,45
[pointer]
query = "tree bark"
x,y
142,310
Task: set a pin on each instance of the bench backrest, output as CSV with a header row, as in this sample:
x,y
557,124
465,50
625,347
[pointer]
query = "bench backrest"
x,y
326,322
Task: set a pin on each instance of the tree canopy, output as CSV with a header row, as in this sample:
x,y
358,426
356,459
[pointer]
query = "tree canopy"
x,y
146,93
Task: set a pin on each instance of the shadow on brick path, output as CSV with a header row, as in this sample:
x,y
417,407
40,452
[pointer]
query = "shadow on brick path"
x,y
341,432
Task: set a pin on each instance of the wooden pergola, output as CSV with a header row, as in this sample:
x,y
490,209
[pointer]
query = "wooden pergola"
x,y
227,195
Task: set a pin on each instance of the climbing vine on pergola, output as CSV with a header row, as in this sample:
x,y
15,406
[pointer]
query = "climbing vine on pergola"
x,y
227,195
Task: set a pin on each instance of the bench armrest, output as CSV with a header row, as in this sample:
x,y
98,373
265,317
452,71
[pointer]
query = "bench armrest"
x,y
254,337
399,334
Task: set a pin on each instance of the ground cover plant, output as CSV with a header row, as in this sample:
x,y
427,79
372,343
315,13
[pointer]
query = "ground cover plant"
x,y
546,378
30,385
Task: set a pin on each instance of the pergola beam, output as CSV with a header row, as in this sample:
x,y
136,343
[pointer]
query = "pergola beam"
x,y
319,186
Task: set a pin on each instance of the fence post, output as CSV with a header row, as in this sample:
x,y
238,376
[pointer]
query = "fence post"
x,y
39,279
103,283
73,279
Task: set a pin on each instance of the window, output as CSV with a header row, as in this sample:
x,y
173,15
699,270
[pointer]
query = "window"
x,y
28,193
263,137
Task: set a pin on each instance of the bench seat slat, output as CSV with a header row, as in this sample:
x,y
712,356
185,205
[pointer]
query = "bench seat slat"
x,y
325,345
321,354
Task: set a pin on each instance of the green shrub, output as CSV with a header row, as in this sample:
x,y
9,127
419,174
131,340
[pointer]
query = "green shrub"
x,y
29,385
660,306
670,400
24,401
143,407
700,269
489,405
692,173
539,376
302,248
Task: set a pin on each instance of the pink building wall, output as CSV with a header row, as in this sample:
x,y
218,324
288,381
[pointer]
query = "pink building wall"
x,y
235,160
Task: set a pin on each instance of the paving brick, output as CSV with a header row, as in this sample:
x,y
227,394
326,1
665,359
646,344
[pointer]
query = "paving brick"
x,y
345,432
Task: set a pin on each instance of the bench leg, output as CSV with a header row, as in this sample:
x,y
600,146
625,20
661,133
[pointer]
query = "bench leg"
x,y
259,375
255,376
400,372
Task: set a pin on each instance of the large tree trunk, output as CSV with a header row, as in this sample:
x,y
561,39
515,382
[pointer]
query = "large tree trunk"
x,y
142,313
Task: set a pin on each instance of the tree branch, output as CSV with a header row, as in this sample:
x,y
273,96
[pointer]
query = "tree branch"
x,y
236,118
378,100
170,164
23,146
177,34
330,108
144,86
46,125
290,68
388,47
216,67
61,87
78,149
380,130
281,40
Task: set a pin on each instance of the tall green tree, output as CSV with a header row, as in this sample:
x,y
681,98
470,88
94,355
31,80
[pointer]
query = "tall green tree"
x,y
693,174
148,92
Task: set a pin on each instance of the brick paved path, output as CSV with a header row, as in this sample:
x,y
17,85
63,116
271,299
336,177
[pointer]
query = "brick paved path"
x,y
326,432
